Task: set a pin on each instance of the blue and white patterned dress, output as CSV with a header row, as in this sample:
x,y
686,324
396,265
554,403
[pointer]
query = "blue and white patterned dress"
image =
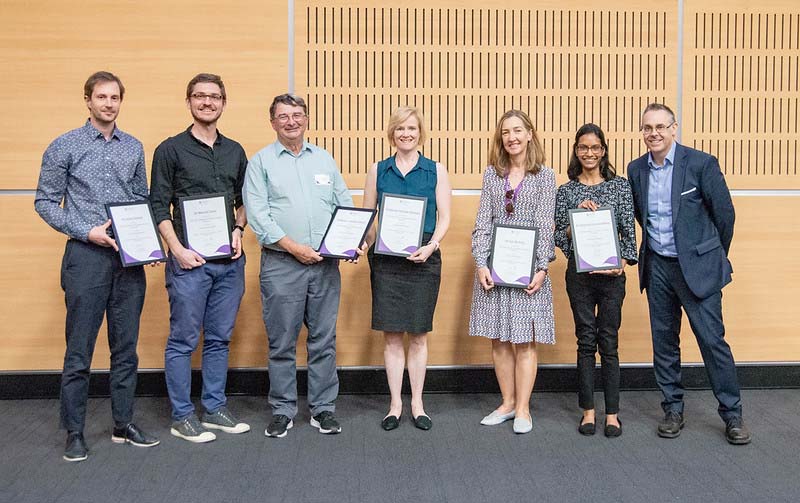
x,y
510,314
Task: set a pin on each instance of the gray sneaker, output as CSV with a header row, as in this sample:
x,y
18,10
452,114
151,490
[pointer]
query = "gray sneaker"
x,y
190,429
223,419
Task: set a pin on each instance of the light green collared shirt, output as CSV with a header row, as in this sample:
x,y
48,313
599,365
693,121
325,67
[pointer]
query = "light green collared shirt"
x,y
292,195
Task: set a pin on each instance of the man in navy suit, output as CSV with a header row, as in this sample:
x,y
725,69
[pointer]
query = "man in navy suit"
x,y
685,210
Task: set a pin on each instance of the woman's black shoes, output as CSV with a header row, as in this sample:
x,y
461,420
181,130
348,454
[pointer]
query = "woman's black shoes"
x,y
612,430
390,423
423,422
586,428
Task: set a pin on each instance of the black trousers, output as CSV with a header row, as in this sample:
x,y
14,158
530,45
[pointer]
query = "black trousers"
x,y
596,302
667,292
95,285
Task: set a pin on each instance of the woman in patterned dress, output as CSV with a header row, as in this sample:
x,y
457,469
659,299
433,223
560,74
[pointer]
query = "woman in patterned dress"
x,y
596,297
517,189
405,289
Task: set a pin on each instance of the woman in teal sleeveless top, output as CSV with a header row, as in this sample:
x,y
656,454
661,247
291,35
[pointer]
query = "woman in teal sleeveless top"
x,y
405,288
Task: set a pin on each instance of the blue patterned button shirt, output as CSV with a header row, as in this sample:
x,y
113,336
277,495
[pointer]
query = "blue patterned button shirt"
x,y
81,172
660,238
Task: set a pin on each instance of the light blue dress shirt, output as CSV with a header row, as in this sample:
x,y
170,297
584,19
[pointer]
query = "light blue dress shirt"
x,y
292,195
660,237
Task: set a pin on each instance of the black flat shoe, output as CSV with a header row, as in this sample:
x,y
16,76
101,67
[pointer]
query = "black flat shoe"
x,y
612,431
586,428
390,423
423,422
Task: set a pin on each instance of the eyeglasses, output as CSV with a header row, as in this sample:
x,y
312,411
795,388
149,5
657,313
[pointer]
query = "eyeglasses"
x,y
510,201
585,149
203,97
284,118
659,128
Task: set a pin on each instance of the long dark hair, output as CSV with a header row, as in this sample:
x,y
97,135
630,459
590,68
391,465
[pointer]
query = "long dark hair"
x,y
575,168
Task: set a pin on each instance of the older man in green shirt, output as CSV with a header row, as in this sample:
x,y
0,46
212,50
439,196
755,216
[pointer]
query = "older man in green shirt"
x,y
291,190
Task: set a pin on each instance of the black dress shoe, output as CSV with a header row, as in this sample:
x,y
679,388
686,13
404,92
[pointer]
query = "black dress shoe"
x,y
736,432
76,449
423,422
390,423
131,434
671,425
612,430
586,428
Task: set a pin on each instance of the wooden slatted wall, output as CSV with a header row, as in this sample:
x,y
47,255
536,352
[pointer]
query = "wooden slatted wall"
x,y
465,64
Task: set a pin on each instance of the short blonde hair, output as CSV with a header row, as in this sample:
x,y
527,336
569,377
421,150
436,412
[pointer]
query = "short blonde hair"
x,y
401,115
499,158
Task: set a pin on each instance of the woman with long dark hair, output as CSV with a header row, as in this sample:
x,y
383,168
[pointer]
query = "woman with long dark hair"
x,y
596,297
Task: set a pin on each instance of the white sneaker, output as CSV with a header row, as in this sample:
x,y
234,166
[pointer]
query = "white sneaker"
x,y
496,418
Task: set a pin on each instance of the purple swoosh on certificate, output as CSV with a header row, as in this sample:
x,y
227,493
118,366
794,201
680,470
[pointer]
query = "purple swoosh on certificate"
x,y
128,259
526,280
612,260
224,249
382,246
410,249
496,278
324,249
349,253
584,264
157,254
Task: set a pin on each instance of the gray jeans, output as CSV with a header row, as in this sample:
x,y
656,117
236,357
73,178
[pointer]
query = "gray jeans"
x,y
293,294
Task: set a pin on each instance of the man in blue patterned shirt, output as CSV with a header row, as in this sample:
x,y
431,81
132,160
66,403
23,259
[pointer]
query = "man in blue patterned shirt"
x,y
82,170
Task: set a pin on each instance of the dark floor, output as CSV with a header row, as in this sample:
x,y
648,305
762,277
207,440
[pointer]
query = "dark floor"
x,y
457,461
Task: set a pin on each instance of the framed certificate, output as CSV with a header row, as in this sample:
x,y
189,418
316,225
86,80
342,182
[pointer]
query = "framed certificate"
x,y
135,232
206,225
513,255
595,241
346,232
401,224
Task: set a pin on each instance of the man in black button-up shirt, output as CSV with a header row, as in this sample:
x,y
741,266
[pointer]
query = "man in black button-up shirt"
x,y
204,293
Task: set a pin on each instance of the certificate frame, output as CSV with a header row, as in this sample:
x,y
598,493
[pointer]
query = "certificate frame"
x,y
381,248
522,281
156,255
349,254
225,249
582,265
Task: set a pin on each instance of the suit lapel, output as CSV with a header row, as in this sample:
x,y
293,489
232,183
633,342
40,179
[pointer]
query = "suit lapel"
x,y
644,179
678,174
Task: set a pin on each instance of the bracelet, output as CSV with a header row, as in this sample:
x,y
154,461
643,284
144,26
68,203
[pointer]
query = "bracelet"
x,y
434,243
237,226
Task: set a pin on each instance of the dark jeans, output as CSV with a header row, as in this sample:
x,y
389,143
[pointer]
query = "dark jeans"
x,y
667,292
207,298
596,302
95,284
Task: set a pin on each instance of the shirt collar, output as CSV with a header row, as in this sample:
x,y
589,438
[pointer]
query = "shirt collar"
x,y
94,133
669,160
216,142
282,149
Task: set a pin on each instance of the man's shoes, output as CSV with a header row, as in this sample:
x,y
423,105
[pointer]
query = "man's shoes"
x,y
671,425
223,419
496,418
190,429
279,425
131,434
423,422
326,423
390,423
76,449
736,432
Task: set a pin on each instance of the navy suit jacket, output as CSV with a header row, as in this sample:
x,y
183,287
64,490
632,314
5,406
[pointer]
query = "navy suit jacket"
x,y
702,219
